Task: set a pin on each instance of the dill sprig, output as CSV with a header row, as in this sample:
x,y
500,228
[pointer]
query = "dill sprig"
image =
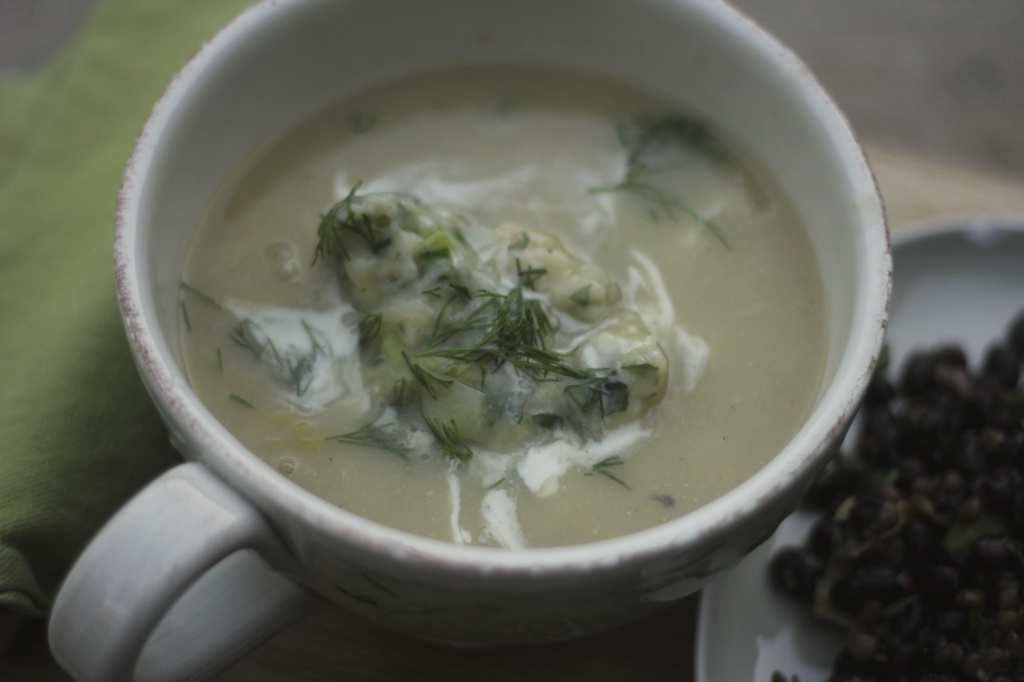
x,y
184,317
242,401
369,327
244,335
374,435
206,299
296,365
606,394
520,244
641,139
200,295
343,218
399,392
462,293
449,439
528,276
604,465
425,377
513,330
299,366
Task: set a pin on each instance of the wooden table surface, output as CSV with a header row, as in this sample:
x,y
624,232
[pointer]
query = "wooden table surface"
x,y
940,85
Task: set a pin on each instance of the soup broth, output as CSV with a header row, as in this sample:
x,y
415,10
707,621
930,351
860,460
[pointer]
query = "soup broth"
x,y
681,308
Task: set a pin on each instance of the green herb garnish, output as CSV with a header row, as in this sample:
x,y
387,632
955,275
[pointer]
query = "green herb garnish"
x,y
451,441
513,329
296,365
184,317
520,244
374,435
399,392
604,465
528,276
342,218
242,401
426,378
582,296
641,139
369,327
605,394
199,295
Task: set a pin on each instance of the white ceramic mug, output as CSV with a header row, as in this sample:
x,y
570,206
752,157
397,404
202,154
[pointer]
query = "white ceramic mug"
x,y
223,551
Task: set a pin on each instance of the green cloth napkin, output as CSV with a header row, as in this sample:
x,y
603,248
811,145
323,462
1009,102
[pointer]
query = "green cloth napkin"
x,y
78,434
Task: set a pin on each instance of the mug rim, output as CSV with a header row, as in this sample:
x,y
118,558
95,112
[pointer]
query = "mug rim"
x,y
274,494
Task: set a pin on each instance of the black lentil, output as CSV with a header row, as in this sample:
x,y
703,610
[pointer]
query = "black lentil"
x,y
920,546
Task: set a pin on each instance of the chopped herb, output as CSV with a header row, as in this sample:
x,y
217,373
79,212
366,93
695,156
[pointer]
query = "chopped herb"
x,y
605,394
399,391
220,360
530,275
495,484
343,218
199,295
242,401
513,329
451,441
582,296
369,327
520,243
184,317
245,336
603,466
373,435
586,396
642,138
666,501
297,366
434,253
426,378
461,290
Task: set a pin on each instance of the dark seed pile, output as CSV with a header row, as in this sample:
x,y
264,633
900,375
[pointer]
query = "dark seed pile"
x,y
920,547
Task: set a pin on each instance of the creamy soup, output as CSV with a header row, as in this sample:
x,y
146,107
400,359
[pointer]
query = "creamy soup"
x,y
508,306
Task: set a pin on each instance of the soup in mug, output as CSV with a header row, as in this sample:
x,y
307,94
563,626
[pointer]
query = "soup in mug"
x,y
509,306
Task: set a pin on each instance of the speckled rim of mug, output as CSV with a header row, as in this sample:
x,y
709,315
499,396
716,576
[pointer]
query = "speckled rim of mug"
x,y
289,505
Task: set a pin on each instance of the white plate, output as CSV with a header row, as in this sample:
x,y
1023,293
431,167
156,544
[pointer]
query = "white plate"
x,y
954,282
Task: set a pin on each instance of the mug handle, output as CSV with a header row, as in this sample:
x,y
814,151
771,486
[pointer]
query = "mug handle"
x,y
175,586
